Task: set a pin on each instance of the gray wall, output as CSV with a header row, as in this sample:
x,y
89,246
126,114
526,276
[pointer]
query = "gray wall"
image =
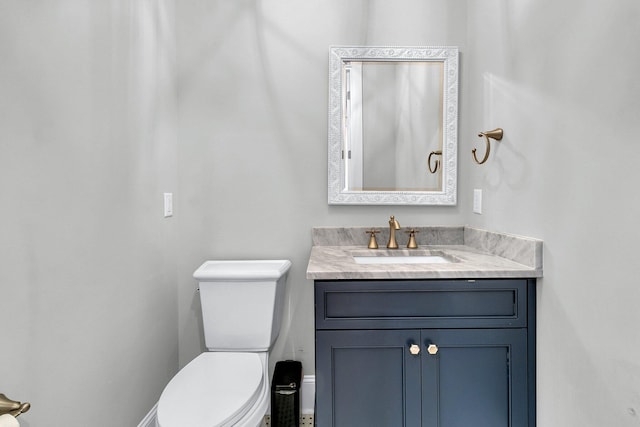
x,y
87,146
98,304
561,79
252,78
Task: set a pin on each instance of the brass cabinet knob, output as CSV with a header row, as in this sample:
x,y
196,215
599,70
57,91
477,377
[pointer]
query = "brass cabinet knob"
x,y
432,349
414,349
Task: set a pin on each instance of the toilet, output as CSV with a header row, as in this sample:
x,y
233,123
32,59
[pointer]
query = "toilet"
x,y
228,385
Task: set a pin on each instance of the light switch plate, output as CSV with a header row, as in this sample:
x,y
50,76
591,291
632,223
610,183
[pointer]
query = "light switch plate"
x,y
168,205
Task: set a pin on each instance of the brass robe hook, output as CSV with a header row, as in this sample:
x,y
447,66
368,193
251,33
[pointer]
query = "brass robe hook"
x,y
495,134
437,162
12,407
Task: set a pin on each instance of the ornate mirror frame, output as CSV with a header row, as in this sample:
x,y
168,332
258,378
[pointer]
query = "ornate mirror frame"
x,y
338,194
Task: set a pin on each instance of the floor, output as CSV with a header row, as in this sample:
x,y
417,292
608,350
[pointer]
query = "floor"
x,y
306,420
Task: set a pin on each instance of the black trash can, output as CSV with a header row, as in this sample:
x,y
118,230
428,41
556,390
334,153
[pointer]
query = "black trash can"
x,y
285,394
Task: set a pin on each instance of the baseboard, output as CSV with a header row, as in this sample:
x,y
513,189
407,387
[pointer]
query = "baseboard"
x,y
308,394
307,401
150,419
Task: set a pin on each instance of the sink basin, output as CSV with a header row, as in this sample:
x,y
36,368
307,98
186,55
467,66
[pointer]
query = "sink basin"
x,y
429,259
402,257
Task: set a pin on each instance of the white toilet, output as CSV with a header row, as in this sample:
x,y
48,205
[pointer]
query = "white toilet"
x,y
228,385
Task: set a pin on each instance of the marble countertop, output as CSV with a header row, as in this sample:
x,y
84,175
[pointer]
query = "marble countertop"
x,y
473,253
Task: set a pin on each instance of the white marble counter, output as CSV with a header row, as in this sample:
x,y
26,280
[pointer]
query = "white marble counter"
x,y
474,254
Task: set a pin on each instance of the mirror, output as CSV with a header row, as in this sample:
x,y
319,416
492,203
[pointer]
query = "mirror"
x,y
393,114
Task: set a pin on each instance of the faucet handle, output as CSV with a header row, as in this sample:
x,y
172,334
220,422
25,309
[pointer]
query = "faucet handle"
x,y
412,238
373,243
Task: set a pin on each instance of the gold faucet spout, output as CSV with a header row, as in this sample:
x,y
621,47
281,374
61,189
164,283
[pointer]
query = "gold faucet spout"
x,y
393,226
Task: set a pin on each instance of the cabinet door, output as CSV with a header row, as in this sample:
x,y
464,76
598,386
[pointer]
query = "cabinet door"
x,y
477,377
367,378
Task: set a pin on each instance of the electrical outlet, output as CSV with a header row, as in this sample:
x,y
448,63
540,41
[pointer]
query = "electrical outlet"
x,y
477,201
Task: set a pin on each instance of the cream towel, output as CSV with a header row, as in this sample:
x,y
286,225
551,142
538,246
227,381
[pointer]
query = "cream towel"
x,y
8,420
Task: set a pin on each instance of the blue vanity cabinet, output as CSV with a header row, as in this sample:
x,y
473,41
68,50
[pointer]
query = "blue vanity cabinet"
x,y
367,378
431,353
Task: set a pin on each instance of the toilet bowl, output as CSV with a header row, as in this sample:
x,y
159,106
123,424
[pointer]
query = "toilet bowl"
x,y
228,385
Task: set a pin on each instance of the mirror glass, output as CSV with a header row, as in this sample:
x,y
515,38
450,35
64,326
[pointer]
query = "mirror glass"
x,y
393,125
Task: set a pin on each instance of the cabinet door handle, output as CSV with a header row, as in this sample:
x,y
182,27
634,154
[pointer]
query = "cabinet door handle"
x,y
432,349
414,349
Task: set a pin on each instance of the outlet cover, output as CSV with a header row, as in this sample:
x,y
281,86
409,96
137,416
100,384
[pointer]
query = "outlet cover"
x,y
477,201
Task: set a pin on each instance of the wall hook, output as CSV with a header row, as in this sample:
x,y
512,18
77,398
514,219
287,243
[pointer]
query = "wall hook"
x,y
12,407
437,162
495,134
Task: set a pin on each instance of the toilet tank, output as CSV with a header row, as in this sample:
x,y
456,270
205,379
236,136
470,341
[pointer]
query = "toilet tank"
x,y
242,303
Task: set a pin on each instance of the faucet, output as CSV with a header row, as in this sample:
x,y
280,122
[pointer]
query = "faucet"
x,y
393,226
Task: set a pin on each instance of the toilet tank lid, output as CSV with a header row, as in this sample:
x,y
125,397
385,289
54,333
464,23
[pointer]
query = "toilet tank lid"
x,y
242,270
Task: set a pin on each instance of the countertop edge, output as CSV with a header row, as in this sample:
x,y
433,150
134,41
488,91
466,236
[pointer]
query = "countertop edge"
x,y
427,275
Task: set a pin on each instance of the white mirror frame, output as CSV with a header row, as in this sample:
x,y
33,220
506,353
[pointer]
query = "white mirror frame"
x,y
338,194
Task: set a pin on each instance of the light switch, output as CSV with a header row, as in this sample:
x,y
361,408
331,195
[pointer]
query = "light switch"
x,y
477,201
168,204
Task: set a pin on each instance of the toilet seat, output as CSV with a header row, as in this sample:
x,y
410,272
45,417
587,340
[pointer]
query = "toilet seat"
x,y
215,389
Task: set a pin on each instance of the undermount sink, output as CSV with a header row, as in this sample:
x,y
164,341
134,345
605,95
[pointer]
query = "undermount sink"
x,y
430,259
401,257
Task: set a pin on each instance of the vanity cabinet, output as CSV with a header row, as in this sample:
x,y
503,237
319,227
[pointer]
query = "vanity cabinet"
x,y
432,353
